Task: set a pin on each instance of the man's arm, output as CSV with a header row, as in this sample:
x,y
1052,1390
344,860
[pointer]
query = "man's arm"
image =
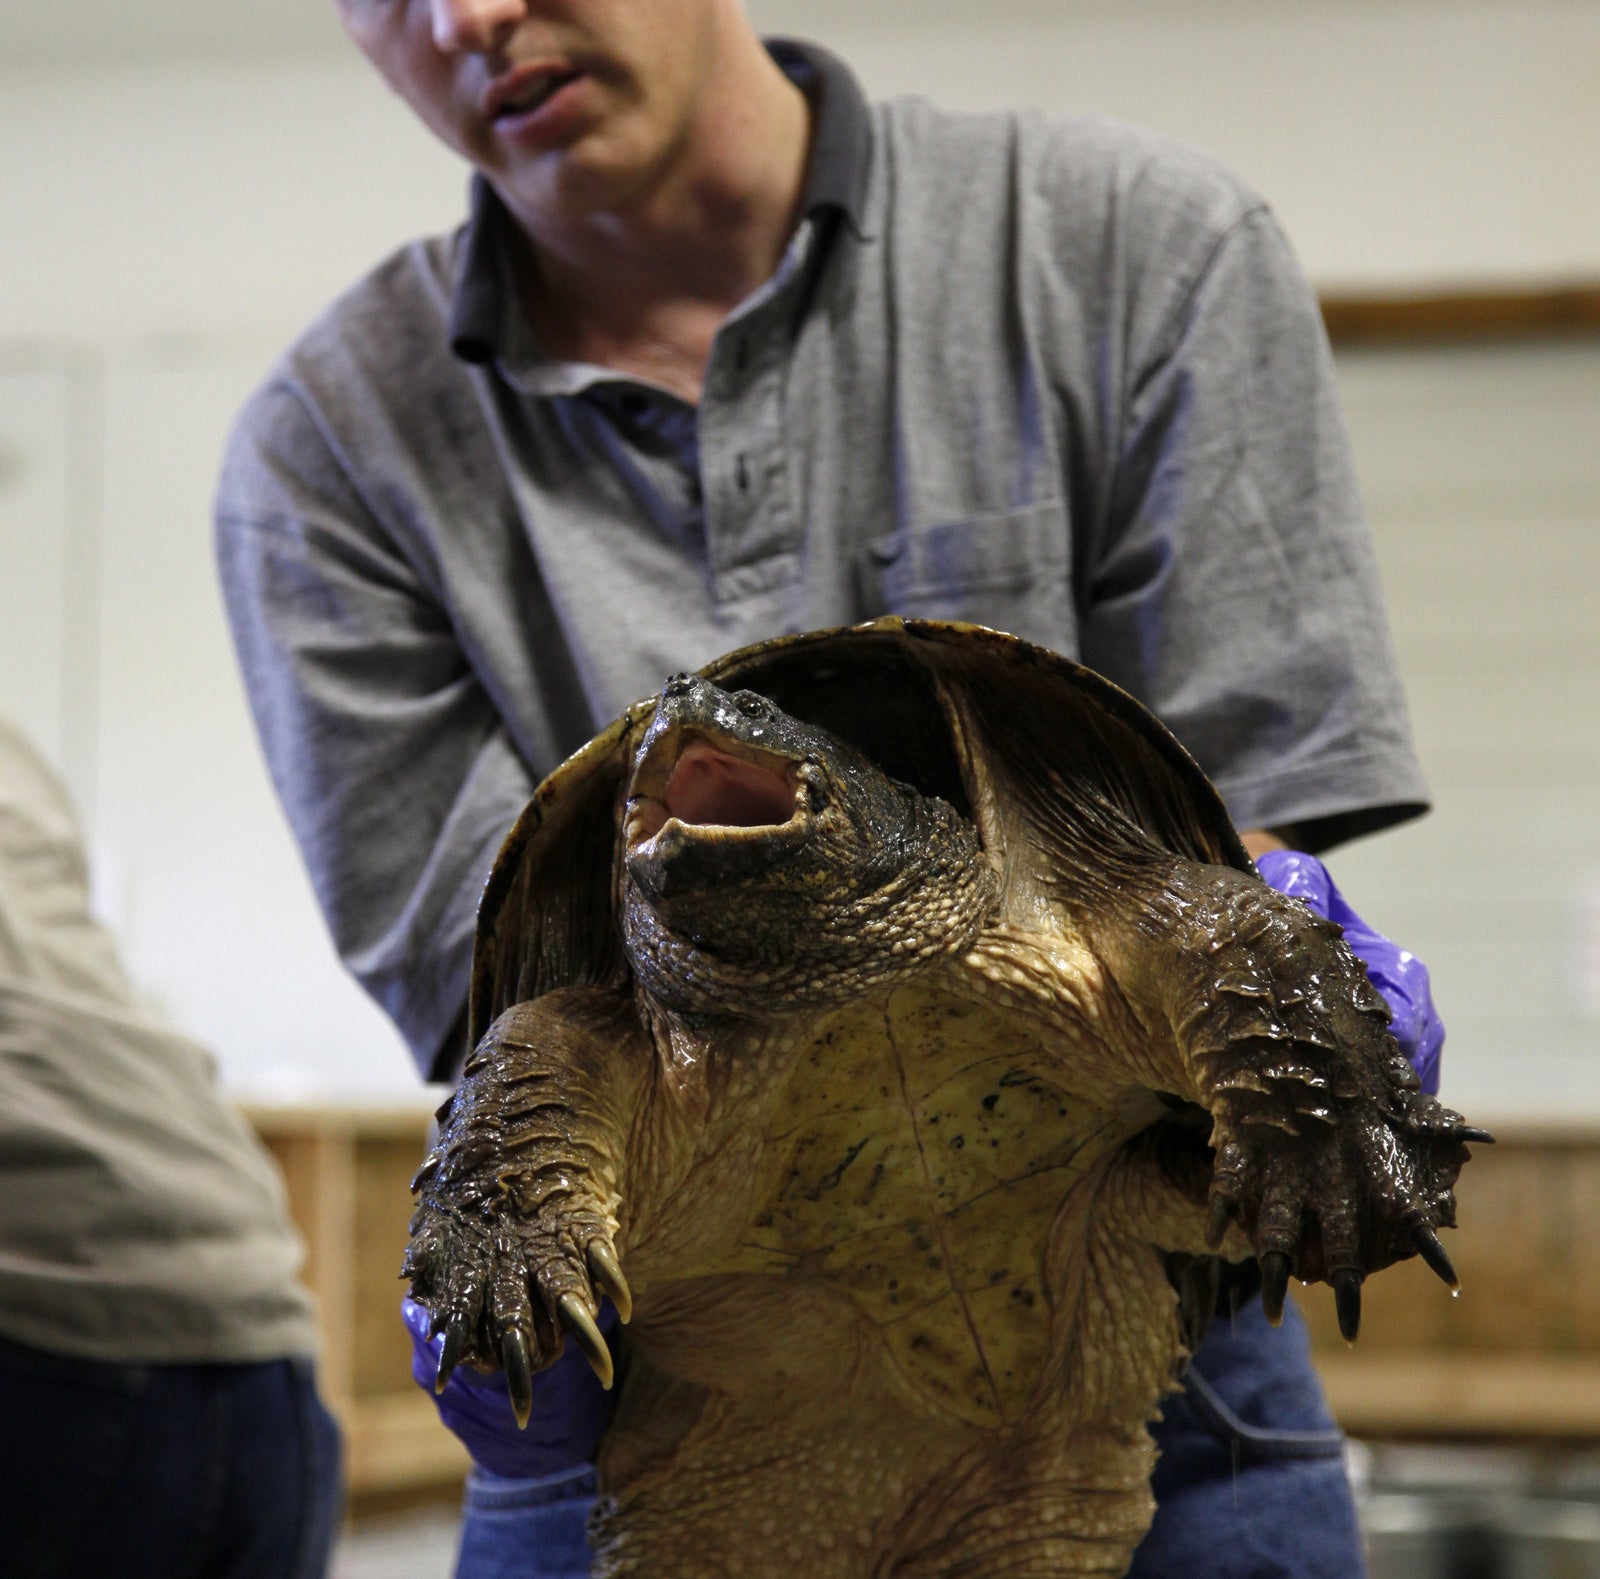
x,y
400,781
1227,578
392,764
1257,841
1229,581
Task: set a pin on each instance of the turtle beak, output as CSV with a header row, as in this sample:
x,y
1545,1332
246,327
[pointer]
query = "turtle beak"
x,y
713,802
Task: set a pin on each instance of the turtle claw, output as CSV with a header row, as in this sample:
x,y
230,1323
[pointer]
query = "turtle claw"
x,y
1197,1282
1202,1283
1431,1251
1274,1284
1222,1213
1347,1301
1479,1137
455,1343
519,1375
581,1325
606,1271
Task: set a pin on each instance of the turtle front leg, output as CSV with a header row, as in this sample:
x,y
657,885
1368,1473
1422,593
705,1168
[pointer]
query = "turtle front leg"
x,y
514,1239
1328,1153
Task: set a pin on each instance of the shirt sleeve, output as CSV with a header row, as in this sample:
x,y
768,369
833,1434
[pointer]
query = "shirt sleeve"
x,y
1230,583
394,768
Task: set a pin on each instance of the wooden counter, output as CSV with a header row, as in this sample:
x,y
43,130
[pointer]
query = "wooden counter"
x,y
1516,1356
348,1174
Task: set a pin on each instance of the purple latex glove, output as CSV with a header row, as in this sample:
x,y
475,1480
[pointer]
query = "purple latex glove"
x,y
1402,978
570,1408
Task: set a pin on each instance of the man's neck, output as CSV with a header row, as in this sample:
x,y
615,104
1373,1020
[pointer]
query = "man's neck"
x,y
643,285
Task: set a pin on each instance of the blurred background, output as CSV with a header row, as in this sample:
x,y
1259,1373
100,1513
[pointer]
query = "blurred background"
x,y
183,187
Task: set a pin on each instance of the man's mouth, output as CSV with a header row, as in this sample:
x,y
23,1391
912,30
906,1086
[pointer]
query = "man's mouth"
x,y
691,780
525,92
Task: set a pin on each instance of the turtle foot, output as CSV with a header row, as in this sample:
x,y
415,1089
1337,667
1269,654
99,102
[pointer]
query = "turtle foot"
x,y
1341,1199
1328,1154
508,1294
512,1249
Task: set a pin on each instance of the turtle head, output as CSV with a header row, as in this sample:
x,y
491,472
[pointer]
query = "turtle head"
x,y
731,801
765,857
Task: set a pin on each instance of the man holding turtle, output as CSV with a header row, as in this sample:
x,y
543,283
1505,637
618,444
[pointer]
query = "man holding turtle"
x,y
725,350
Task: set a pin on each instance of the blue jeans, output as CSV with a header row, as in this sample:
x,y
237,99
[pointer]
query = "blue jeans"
x,y
164,1471
1250,1484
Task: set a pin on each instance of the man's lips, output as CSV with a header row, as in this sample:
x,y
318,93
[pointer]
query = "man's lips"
x,y
526,90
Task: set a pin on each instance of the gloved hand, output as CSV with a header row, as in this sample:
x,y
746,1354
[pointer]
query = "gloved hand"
x,y
1401,977
570,1409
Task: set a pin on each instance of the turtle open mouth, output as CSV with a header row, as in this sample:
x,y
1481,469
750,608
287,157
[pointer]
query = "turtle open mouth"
x,y
728,790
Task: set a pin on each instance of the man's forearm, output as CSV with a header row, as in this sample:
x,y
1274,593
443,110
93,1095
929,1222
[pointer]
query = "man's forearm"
x,y
1257,841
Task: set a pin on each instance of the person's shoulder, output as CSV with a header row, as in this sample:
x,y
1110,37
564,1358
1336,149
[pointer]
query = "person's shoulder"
x,y
1092,170
1151,171
367,353
29,786
386,326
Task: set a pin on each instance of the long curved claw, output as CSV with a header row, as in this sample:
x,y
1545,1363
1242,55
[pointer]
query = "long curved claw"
x,y
1218,1218
519,1375
1274,1284
1431,1251
581,1325
455,1341
1347,1301
606,1271
1199,1285
1470,1132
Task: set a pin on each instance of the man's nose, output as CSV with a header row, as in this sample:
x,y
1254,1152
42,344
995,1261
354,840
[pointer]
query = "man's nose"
x,y
478,27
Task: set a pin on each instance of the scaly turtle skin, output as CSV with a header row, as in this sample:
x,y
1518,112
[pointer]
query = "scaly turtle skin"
x,y
855,999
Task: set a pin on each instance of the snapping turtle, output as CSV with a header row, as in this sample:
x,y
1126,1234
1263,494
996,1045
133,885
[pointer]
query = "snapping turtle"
x,y
857,998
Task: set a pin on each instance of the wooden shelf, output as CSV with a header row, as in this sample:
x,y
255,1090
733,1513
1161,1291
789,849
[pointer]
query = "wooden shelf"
x,y
1443,316
1463,1395
1516,1356
348,1172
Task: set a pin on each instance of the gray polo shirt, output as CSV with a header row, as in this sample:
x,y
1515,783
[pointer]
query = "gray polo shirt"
x,y
1062,377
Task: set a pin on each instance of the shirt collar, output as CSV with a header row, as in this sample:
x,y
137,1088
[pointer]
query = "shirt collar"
x,y
838,164
837,170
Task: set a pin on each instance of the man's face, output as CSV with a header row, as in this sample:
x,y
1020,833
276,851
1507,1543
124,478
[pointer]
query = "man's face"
x,y
563,104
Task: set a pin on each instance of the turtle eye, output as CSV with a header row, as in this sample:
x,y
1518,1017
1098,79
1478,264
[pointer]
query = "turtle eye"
x,y
752,705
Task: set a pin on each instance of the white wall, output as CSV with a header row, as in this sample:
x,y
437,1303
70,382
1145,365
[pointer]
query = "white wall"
x,y
180,190
114,654
1482,475
1403,142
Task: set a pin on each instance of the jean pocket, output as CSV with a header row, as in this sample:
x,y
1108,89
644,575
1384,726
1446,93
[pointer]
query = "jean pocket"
x,y
1011,571
1253,1443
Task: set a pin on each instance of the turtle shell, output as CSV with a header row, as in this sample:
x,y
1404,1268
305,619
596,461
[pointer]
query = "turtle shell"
x,y
906,692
